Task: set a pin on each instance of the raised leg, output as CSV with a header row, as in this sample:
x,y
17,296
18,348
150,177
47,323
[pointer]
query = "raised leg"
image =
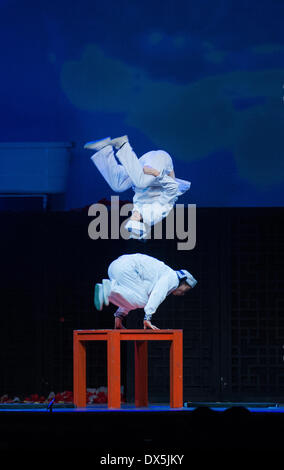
x,y
141,373
113,369
114,174
79,372
176,371
134,169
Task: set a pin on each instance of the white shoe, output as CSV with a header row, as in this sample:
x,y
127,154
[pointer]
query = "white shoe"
x,y
98,144
98,297
106,291
119,141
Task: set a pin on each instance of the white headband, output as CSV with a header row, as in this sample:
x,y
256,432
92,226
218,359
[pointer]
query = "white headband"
x,y
183,274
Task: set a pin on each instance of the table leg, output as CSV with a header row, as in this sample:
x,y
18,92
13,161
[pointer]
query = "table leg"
x,y
141,373
79,373
113,369
176,371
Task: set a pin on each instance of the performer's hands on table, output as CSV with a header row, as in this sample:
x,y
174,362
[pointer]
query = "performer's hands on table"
x,y
118,324
148,324
148,170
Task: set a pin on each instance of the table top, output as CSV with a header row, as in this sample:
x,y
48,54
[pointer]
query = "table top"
x,y
127,331
128,335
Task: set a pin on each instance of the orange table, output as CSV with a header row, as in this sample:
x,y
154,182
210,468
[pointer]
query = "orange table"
x,y
140,338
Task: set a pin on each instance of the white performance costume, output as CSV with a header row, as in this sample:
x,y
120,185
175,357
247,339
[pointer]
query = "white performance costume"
x,y
141,281
154,196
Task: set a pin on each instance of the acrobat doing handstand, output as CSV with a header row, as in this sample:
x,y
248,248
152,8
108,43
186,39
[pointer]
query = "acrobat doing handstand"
x,y
151,176
140,281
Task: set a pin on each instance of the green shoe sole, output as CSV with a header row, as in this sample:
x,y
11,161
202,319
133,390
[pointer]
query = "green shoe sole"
x,y
97,298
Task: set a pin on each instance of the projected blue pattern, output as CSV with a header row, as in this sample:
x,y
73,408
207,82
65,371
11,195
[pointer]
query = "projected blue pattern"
x,y
203,81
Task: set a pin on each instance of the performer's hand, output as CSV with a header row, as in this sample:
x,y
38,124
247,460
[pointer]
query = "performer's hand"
x,y
148,170
118,324
136,216
148,324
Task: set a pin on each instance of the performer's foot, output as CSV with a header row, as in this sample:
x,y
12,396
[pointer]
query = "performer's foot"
x,y
106,291
98,144
118,142
98,297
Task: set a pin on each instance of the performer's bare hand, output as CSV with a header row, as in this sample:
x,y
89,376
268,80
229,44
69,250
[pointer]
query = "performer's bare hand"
x,y
136,216
148,324
118,324
148,170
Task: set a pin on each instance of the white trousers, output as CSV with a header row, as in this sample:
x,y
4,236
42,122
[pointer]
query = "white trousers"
x,y
130,172
127,290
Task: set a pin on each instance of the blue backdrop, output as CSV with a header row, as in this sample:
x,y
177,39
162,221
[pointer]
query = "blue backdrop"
x,y
202,80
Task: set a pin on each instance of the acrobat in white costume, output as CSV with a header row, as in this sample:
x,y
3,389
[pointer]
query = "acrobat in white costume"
x,y
140,281
151,177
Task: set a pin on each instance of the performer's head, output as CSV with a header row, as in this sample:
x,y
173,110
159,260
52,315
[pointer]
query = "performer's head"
x,y
182,289
186,282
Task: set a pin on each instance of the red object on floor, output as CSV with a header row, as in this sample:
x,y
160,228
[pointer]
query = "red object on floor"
x,y
140,338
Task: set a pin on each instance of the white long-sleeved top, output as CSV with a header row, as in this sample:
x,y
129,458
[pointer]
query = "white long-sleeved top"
x,y
142,281
154,196
156,201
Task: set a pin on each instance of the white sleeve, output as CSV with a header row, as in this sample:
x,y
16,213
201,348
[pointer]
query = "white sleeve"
x,y
183,186
161,289
120,313
170,189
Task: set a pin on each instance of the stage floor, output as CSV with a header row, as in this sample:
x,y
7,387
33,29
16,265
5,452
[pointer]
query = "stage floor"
x,y
156,408
157,429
